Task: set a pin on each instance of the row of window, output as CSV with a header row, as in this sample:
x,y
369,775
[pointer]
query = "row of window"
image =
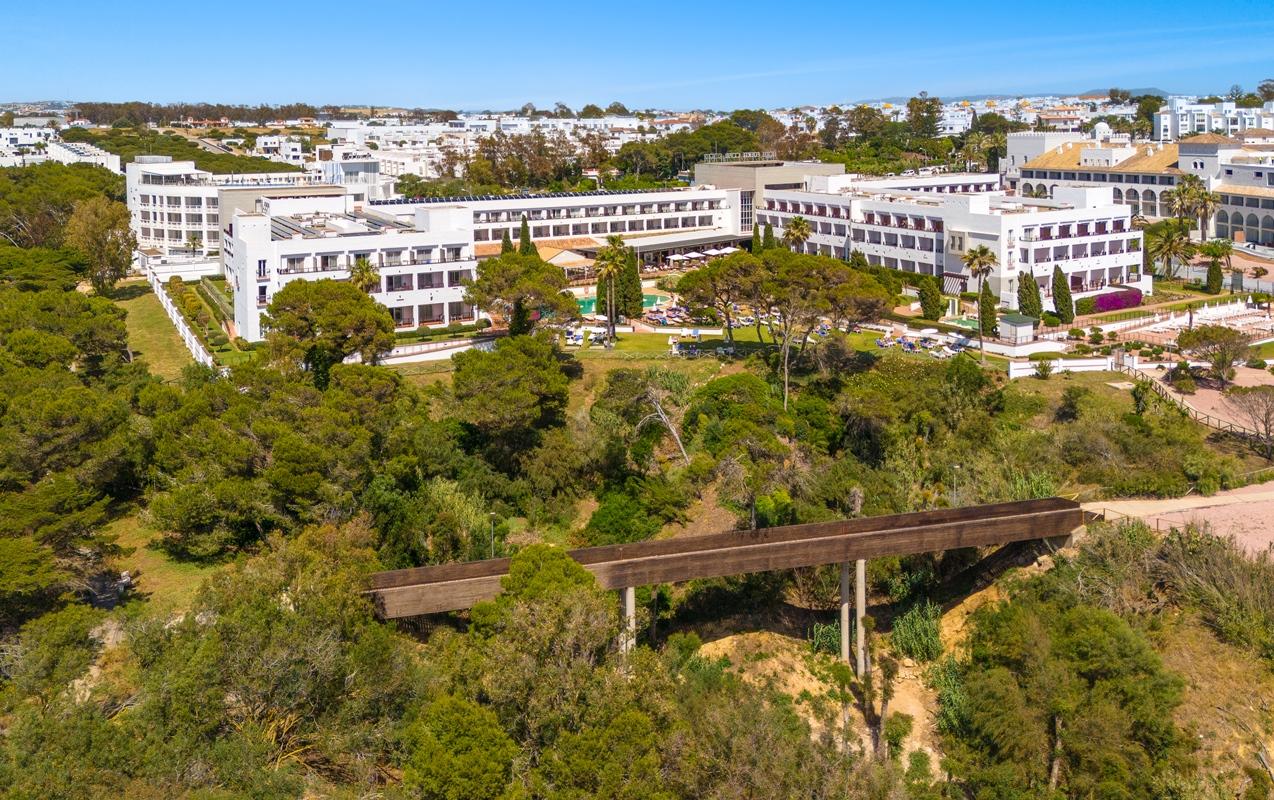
x,y
587,229
540,214
169,200
179,234
213,220
1098,177
327,262
431,314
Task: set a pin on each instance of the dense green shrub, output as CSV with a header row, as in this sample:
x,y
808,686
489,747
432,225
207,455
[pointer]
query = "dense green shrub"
x,y
916,632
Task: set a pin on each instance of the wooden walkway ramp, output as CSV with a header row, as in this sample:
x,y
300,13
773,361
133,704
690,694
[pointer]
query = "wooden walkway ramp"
x,y
450,587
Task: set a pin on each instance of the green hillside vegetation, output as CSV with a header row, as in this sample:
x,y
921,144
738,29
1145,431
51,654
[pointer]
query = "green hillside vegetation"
x,y
255,503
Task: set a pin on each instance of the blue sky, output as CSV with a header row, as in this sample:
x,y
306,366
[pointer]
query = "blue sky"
x,y
493,54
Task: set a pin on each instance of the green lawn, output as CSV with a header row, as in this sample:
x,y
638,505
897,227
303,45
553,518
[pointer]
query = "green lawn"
x,y
151,334
1265,351
167,584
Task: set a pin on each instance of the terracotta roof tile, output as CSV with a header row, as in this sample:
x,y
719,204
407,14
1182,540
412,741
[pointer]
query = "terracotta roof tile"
x,y
1147,159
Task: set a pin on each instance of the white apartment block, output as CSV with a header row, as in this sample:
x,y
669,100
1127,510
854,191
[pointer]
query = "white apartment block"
x,y
284,149
26,137
21,147
1083,231
1183,117
356,168
175,208
654,221
422,264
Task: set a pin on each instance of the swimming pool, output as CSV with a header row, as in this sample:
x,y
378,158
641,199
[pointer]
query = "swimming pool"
x,y
588,305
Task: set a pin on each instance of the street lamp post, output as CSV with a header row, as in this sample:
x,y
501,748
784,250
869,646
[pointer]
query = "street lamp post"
x,y
491,516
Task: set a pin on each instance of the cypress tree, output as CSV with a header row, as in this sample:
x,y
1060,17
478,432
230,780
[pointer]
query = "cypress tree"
x,y
525,246
987,316
756,239
1029,301
767,243
628,294
506,244
1215,279
1062,303
930,298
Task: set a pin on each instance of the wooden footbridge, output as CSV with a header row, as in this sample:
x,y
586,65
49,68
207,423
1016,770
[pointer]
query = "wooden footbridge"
x,y
451,587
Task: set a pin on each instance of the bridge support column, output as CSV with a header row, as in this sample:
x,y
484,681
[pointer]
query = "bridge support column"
x,y
844,612
860,600
628,636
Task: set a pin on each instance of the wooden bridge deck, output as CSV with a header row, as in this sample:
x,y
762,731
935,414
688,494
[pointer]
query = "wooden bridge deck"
x,y
450,587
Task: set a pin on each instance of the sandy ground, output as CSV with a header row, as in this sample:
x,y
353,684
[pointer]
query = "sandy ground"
x,y
1247,514
1211,401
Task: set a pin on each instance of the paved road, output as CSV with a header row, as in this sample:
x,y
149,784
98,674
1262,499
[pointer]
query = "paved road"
x,y
1246,514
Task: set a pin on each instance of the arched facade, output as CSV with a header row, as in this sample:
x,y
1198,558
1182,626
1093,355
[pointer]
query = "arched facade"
x,y
1149,203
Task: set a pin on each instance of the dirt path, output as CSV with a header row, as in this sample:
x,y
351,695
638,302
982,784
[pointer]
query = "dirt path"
x,y
1247,514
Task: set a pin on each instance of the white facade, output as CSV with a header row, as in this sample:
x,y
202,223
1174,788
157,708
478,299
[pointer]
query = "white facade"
x,y
1182,117
21,147
1023,146
355,168
1083,231
174,206
422,265
594,215
284,149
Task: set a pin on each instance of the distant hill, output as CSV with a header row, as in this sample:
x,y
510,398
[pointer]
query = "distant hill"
x,y
900,99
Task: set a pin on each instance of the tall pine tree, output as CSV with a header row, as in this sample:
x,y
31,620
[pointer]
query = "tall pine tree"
x,y
767,243
1029,301
525,246
1062,303
506,244
756,239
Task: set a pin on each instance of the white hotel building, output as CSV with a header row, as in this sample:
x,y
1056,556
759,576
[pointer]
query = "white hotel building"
x,y
172,204
422,264
927,229
653,221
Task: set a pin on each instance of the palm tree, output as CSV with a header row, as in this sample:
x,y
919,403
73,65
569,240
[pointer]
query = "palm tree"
x,y
1169,242
1205,205
193,243
974,149
1179,201
980,261
364,275
795,232
609,264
